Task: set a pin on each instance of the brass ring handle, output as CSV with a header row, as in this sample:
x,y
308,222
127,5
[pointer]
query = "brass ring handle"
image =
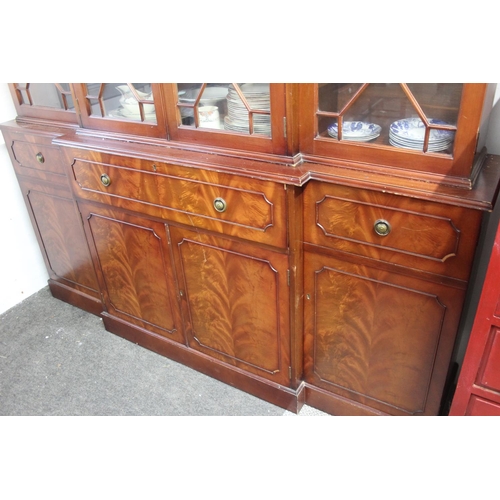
x,y
382,227
105,180
40,158
220,205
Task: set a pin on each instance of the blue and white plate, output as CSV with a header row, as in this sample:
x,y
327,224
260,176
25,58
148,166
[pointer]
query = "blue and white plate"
x,y
356,131
413,129
409,133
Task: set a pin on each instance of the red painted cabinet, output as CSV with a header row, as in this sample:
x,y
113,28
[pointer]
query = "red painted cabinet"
x,y
478,387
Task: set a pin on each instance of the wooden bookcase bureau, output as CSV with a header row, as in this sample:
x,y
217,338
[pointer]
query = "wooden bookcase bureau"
x,y
306,243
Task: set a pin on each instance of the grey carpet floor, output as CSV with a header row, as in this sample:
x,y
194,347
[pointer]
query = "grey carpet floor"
x,y
56,360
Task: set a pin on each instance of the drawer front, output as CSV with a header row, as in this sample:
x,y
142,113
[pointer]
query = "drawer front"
x,y
406,231
40,157
227,204
34,156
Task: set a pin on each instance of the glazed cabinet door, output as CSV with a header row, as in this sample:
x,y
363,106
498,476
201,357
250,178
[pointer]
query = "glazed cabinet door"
x,y
133,260
235,302
243,116
376,341
48,101
426,127
124,108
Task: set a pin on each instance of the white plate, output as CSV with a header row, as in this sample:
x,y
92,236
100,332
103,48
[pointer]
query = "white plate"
x,y
122,113
211,95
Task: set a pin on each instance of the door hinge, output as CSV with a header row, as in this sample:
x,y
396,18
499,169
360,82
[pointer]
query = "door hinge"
x,y
289,372
288,277
284,127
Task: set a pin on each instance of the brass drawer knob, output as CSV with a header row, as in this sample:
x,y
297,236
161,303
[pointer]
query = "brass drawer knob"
x,y
105,180
40,158
382,227
220,205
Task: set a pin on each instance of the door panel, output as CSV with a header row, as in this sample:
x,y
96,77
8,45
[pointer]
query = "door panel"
x,y
61,237
378,338
236,302
133,257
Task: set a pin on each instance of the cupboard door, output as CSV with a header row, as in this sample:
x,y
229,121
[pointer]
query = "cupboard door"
x,y
422,127
50,101
235,302
60,233
133,258
245,116
127,108
379,339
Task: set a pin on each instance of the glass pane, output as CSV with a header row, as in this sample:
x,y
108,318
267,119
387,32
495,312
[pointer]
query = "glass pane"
x,y
122,101
391,114
51,95
333,97
236,107
439,101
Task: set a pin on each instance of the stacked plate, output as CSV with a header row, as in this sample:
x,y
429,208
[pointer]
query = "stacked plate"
x,y
356,131
258,97
409,133
134,114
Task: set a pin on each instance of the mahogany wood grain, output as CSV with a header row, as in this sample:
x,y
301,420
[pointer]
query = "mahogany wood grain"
x,y
59,230
23,149
256,210
288,293
377,338
296,259
299,170
424,235
133,258
235,302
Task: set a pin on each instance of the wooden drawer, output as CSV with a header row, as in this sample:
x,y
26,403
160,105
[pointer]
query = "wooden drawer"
x,y
250,209
38,156
423,235
34,156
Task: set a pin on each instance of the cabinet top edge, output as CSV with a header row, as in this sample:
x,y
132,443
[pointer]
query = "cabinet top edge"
x,y
482,196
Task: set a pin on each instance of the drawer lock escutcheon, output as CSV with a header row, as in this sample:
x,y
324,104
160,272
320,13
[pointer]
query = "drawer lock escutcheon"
x,y
220,205
105,180
40,158
382,227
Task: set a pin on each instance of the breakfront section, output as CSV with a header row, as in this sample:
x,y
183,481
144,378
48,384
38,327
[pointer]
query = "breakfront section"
x,y
302,242
431,128
192,263
384,283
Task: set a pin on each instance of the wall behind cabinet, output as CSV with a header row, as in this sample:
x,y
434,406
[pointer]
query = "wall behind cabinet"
x,y
22,270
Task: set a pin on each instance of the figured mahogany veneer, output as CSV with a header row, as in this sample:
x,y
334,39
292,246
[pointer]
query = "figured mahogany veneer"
x,y
254,210
423,235
293,266
234,298
376,337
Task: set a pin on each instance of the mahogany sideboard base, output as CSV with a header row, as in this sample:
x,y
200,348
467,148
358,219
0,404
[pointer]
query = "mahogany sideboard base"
x,y
337,405
75,298
284,397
